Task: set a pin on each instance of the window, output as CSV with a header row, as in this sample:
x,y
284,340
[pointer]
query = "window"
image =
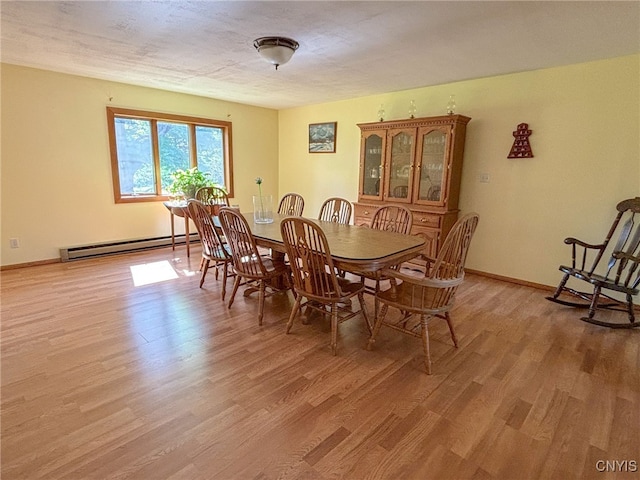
x,y
146,147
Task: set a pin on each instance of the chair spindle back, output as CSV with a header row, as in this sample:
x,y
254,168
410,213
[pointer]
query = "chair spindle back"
x,y
213,196
393,218
291,204
337,210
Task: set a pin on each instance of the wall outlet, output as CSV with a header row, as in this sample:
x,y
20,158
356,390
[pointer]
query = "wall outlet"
x,y
484,178
13,243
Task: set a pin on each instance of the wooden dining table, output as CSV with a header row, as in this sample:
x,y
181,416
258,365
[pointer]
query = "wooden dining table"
x,y
353,248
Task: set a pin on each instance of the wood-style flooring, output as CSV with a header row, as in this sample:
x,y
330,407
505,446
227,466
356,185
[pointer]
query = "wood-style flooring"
x,y
102,379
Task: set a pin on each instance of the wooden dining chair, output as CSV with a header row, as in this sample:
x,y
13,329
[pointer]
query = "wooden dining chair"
x,y
213,249
336,210
390,218
291,204
259,271
393,218
314,276
213,197
429,295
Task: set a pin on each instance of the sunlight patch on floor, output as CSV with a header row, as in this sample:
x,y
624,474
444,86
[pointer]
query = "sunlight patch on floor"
x,y
148,273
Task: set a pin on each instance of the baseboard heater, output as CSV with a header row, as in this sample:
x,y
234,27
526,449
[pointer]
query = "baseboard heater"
x,y
122,246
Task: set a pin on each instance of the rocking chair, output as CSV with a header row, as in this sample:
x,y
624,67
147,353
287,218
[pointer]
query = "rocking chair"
x,y
621,272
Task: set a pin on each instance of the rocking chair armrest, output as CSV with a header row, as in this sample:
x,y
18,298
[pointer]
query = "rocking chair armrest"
x,y
627,256
575,241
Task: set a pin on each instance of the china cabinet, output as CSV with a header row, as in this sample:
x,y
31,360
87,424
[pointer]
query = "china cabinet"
x,y
415,162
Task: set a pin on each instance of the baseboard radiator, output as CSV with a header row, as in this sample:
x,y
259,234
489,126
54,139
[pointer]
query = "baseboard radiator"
x,y
123,246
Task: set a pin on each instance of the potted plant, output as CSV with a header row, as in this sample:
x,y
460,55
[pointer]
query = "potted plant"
x,y
187,182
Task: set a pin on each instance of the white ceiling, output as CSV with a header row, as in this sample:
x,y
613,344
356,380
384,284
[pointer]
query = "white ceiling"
x,y
347,49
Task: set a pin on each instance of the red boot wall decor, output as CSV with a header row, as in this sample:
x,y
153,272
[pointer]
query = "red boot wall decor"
x,y
521,147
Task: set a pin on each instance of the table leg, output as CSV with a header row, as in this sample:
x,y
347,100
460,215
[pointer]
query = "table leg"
x,y
173,234
186,233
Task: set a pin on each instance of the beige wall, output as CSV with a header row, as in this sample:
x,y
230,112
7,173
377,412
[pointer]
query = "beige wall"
x,y
586,142
56,178
56,175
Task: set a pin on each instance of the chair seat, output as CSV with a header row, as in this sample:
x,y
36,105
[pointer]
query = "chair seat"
x,y
415,298
219,253
350,286
349,289
272,267
597,279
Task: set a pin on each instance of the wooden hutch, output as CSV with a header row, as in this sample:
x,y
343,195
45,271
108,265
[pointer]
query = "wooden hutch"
x,y
416,163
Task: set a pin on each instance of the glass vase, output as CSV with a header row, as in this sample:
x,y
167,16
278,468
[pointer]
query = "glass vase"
x,y
263,208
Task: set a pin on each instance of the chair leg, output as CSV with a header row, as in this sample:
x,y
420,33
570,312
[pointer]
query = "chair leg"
x,y
594,302
561,285
225,275
363,309
376,327
375,303
632,317
294,311
334,328
261,295
236,284
205,269
425,342
453,333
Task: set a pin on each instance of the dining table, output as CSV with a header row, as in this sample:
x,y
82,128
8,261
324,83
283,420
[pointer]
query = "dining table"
x,y
356,249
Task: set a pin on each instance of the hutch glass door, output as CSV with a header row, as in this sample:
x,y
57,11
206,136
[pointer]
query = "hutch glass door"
x,y
401,153
432,166
371,174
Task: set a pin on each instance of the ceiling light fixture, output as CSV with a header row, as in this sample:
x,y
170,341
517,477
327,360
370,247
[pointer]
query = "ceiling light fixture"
x,y
276,50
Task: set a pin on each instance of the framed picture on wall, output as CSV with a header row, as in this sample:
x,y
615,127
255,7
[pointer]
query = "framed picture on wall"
x,y
322,137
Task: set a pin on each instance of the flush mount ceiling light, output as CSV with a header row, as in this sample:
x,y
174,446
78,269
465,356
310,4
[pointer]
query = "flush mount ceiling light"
x,y
276,50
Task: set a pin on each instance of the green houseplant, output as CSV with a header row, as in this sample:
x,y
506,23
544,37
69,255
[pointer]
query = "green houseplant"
x,y
187,182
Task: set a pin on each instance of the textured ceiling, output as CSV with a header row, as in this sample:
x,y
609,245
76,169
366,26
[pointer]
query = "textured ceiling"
x,y
347,49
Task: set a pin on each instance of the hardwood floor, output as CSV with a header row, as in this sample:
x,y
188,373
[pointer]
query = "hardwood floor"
x,y
103,379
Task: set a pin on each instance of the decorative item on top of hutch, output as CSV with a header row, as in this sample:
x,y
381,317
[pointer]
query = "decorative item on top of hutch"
x,y
412,109
415,162
451,105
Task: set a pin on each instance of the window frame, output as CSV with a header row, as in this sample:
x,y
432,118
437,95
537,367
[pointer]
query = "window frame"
x,y
154,117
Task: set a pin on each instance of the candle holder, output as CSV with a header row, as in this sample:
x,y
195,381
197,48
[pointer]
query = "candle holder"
x,y
451,105
412,109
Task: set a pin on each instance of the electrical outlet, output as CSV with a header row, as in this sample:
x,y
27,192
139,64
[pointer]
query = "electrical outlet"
x,y
13,243
484,178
